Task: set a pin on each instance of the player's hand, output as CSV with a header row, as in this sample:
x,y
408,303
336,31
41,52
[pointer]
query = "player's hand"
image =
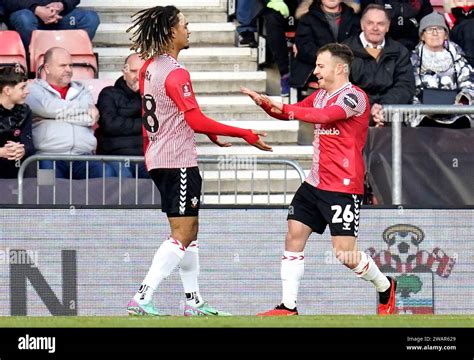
x,y
216,141
377,115
276,107
260,144
256,97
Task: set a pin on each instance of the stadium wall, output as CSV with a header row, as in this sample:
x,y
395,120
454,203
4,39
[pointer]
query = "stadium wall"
x,y
90,261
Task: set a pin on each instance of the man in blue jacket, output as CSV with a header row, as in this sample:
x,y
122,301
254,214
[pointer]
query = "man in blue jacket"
x,y
28,15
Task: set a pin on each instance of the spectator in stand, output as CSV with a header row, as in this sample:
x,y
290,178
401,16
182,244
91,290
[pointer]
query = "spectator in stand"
x,y
63,117
382,66
460,14
405,18
3,26
28,15
304,5
120,122
278,14
327,21
16,142
442,74
246,15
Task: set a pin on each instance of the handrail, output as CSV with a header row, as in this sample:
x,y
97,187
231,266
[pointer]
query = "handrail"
x,y
395,114
139,159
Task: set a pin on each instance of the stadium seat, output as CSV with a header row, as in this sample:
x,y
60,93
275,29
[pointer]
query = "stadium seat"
x,y
77,42
12,51
95,86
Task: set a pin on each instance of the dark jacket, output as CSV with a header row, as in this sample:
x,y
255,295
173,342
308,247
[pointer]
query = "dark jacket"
x,y
312,33
406,16
463,35
2,12
120,122
15,5
15,125
389,80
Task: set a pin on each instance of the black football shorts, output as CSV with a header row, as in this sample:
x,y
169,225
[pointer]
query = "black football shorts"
x,y
180,190
317,208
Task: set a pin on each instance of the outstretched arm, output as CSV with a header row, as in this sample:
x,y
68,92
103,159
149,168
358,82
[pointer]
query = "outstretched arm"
x,y
313,115
179,88
274,108
202,124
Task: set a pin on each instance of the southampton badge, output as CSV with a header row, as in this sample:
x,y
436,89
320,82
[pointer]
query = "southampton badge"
x,y
414,267
194,202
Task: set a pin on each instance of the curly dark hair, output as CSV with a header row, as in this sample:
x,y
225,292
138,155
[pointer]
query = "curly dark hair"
x,y
153,30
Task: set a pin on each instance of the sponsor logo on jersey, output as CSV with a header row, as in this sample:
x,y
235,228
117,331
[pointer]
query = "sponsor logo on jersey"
x,y
332,131
187,90
351,100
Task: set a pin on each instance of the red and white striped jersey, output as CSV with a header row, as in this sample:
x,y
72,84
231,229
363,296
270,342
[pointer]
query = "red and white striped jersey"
x,y
338,164
167,94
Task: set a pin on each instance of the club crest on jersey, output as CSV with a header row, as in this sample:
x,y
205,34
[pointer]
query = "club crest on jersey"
x,y
194,202
187,90
351,100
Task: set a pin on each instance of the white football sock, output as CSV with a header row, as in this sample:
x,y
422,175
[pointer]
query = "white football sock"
x,y
292,269
166,258
368,270
189,271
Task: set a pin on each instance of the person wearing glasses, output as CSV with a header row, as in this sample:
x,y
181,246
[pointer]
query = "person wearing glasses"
x,y
443,76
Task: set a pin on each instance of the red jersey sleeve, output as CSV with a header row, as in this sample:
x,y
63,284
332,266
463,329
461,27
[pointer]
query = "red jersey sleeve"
x,y
179,88
307,102
352,102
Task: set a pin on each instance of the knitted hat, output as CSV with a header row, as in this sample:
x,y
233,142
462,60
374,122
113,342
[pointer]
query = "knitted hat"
x,y
433,19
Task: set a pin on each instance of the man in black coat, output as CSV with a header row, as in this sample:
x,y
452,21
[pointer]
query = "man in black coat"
x,y
463,30
326,22
28,15
382,66
16,142
405,18
2,16
120,122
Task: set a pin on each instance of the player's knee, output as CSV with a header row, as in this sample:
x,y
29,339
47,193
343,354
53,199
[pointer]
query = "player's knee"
x,y
347,257
294,242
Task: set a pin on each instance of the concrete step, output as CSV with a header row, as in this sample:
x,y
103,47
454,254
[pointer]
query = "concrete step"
x,y
195,58
115,34
111,13
257,181
233,107
245,199
180,4
218,82
120,11
303,154
282,132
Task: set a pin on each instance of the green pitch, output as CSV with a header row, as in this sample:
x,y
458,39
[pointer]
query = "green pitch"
x,y
434,321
